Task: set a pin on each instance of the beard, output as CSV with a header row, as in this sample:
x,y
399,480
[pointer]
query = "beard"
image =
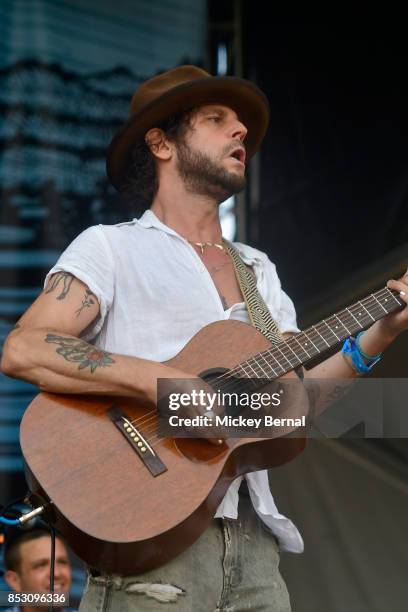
x,y
203,176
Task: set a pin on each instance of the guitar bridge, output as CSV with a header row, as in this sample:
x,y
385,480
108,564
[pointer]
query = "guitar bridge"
x,y
137,441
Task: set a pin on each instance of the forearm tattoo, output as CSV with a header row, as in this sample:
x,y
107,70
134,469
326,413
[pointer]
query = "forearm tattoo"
x,y
86,302
64,281
78,351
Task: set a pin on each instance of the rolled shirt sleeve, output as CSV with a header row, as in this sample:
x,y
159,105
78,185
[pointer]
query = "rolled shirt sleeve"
x,y
89,259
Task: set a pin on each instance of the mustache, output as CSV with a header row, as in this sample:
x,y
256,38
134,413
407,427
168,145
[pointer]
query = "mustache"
x,y
231,147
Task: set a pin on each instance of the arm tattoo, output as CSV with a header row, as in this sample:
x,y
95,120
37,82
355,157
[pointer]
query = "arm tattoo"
x,y
78,351
62,277
87,302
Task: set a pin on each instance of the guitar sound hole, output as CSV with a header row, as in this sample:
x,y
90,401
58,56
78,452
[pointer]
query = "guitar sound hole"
x,y
211,377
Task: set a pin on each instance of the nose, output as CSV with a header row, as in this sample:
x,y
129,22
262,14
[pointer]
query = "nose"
x,y
239,130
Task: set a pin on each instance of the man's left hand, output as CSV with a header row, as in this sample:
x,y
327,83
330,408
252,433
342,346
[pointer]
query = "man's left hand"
x,y
395,323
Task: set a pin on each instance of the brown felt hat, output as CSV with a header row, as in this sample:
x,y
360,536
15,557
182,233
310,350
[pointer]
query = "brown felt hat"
x,y
178,90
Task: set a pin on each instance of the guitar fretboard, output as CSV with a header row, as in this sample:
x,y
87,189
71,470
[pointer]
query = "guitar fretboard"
x,y
300,348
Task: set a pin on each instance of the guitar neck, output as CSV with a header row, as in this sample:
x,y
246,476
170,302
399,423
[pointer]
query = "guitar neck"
x,y
317,339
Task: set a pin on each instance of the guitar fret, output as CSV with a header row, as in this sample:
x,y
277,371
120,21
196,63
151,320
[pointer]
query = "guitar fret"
x,y
263,371
258,367
379,303
314,340
244,383
261,368
303,349
356,320
291,349
376,308
270,353
342,324
386,300
361,314
389,292
322,337
347,317
249,365
330,329
268,364
367,311
242,368
310,340
282,353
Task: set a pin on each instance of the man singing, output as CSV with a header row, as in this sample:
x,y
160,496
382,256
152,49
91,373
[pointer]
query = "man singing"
x,y
140,290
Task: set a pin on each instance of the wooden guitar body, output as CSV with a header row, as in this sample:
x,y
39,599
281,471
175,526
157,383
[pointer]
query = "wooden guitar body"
x,y
113,512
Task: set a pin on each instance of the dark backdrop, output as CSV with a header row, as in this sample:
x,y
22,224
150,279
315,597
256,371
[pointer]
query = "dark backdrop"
x,y
334,165
332,214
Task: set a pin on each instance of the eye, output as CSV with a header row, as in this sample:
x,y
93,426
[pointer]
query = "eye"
x,y
215,118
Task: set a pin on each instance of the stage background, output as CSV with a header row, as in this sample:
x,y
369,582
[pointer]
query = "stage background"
x,y
67,72
331,210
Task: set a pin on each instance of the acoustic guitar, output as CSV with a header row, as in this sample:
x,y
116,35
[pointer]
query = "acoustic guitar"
x,y
127,501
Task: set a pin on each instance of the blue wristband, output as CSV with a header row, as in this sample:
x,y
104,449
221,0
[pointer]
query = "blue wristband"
x,y
369,358
352,350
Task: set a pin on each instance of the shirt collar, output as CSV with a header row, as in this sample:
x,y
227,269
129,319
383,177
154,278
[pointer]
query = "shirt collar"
x,y
148,219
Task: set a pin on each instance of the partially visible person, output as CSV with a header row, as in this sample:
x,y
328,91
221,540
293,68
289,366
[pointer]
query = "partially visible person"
x,y
27,560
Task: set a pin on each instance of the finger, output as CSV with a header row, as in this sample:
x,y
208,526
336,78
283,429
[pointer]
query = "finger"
x,y
399,286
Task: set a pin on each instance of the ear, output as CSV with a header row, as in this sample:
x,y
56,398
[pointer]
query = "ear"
x,y
13,580
158,144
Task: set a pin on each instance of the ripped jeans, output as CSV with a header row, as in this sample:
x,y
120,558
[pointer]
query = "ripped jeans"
x,y
233,566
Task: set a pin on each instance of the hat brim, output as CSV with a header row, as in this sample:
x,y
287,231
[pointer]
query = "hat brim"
x,y
245,98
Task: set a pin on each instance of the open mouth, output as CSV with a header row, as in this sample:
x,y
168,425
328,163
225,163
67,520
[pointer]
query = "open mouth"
x,y
238,154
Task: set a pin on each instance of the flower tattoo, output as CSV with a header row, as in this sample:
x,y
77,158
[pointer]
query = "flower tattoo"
x,y
78,351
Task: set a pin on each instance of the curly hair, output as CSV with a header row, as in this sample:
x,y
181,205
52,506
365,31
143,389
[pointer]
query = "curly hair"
x,y
141,182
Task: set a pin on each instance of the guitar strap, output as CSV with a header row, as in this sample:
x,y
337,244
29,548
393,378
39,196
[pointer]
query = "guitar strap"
x,y
258,311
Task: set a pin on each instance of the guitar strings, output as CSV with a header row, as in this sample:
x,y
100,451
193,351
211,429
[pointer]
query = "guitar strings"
x,y
148,421
231,373
378,308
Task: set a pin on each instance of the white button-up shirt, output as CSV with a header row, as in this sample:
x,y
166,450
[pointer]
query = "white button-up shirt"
x,y
154,295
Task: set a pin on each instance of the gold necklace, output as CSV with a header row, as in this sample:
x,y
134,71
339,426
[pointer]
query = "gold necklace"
x,y
202,245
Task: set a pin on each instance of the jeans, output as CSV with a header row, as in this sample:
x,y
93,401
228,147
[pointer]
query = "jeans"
x,y
233,566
